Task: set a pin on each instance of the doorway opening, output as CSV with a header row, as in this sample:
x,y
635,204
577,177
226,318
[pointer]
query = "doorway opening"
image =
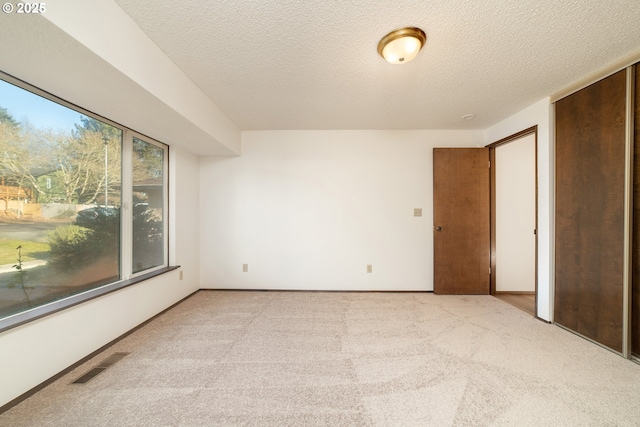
x,y
514,220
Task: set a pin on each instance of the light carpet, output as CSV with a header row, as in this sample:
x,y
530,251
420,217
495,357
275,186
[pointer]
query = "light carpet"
x,y
331,358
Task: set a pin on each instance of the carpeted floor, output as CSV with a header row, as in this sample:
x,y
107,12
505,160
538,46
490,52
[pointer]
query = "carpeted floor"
x,y
320,358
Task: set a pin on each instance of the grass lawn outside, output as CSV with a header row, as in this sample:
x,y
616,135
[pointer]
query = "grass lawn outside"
x,y
43,284
30,251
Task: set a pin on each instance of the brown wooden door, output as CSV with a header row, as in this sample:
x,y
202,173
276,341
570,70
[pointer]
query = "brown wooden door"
x,y
590,186
461,220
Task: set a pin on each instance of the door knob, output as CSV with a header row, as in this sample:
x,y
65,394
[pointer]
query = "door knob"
x,y
437,228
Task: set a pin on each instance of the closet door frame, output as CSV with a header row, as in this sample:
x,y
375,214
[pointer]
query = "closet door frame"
x,y
633,139
628,215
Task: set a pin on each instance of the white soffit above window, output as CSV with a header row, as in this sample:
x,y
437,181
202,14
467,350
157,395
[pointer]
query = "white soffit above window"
x,y
35,50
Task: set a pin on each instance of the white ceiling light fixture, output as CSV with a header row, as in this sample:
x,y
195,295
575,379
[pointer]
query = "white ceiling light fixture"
x,y
402,45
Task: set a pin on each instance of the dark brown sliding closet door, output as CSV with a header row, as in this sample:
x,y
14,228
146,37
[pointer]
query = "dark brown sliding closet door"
x,y
590,174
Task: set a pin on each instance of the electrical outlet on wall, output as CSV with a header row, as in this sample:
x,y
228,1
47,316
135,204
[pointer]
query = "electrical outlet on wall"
x,y
369,268
181,274
245,268
417,211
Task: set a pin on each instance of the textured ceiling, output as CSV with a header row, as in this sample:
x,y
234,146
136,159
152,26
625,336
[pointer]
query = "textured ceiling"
x,y
313,64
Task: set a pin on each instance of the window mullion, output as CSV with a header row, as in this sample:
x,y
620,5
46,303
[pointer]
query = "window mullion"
x,y
127,206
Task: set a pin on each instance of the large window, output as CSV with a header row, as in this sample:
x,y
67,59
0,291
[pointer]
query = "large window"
x,y
82,202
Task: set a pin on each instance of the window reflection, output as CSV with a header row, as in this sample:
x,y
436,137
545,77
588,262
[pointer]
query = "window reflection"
x,y
148,205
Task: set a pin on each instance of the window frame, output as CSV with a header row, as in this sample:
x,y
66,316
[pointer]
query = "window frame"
x,y
126,276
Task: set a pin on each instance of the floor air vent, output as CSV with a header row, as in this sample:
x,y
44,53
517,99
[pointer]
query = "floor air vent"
x,y
109,361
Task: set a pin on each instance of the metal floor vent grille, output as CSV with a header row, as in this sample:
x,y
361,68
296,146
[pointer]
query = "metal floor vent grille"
x,y
109,361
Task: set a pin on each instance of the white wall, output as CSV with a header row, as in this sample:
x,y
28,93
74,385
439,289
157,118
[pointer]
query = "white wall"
x,y
310,210
184,215
516,215
539,114
34,352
